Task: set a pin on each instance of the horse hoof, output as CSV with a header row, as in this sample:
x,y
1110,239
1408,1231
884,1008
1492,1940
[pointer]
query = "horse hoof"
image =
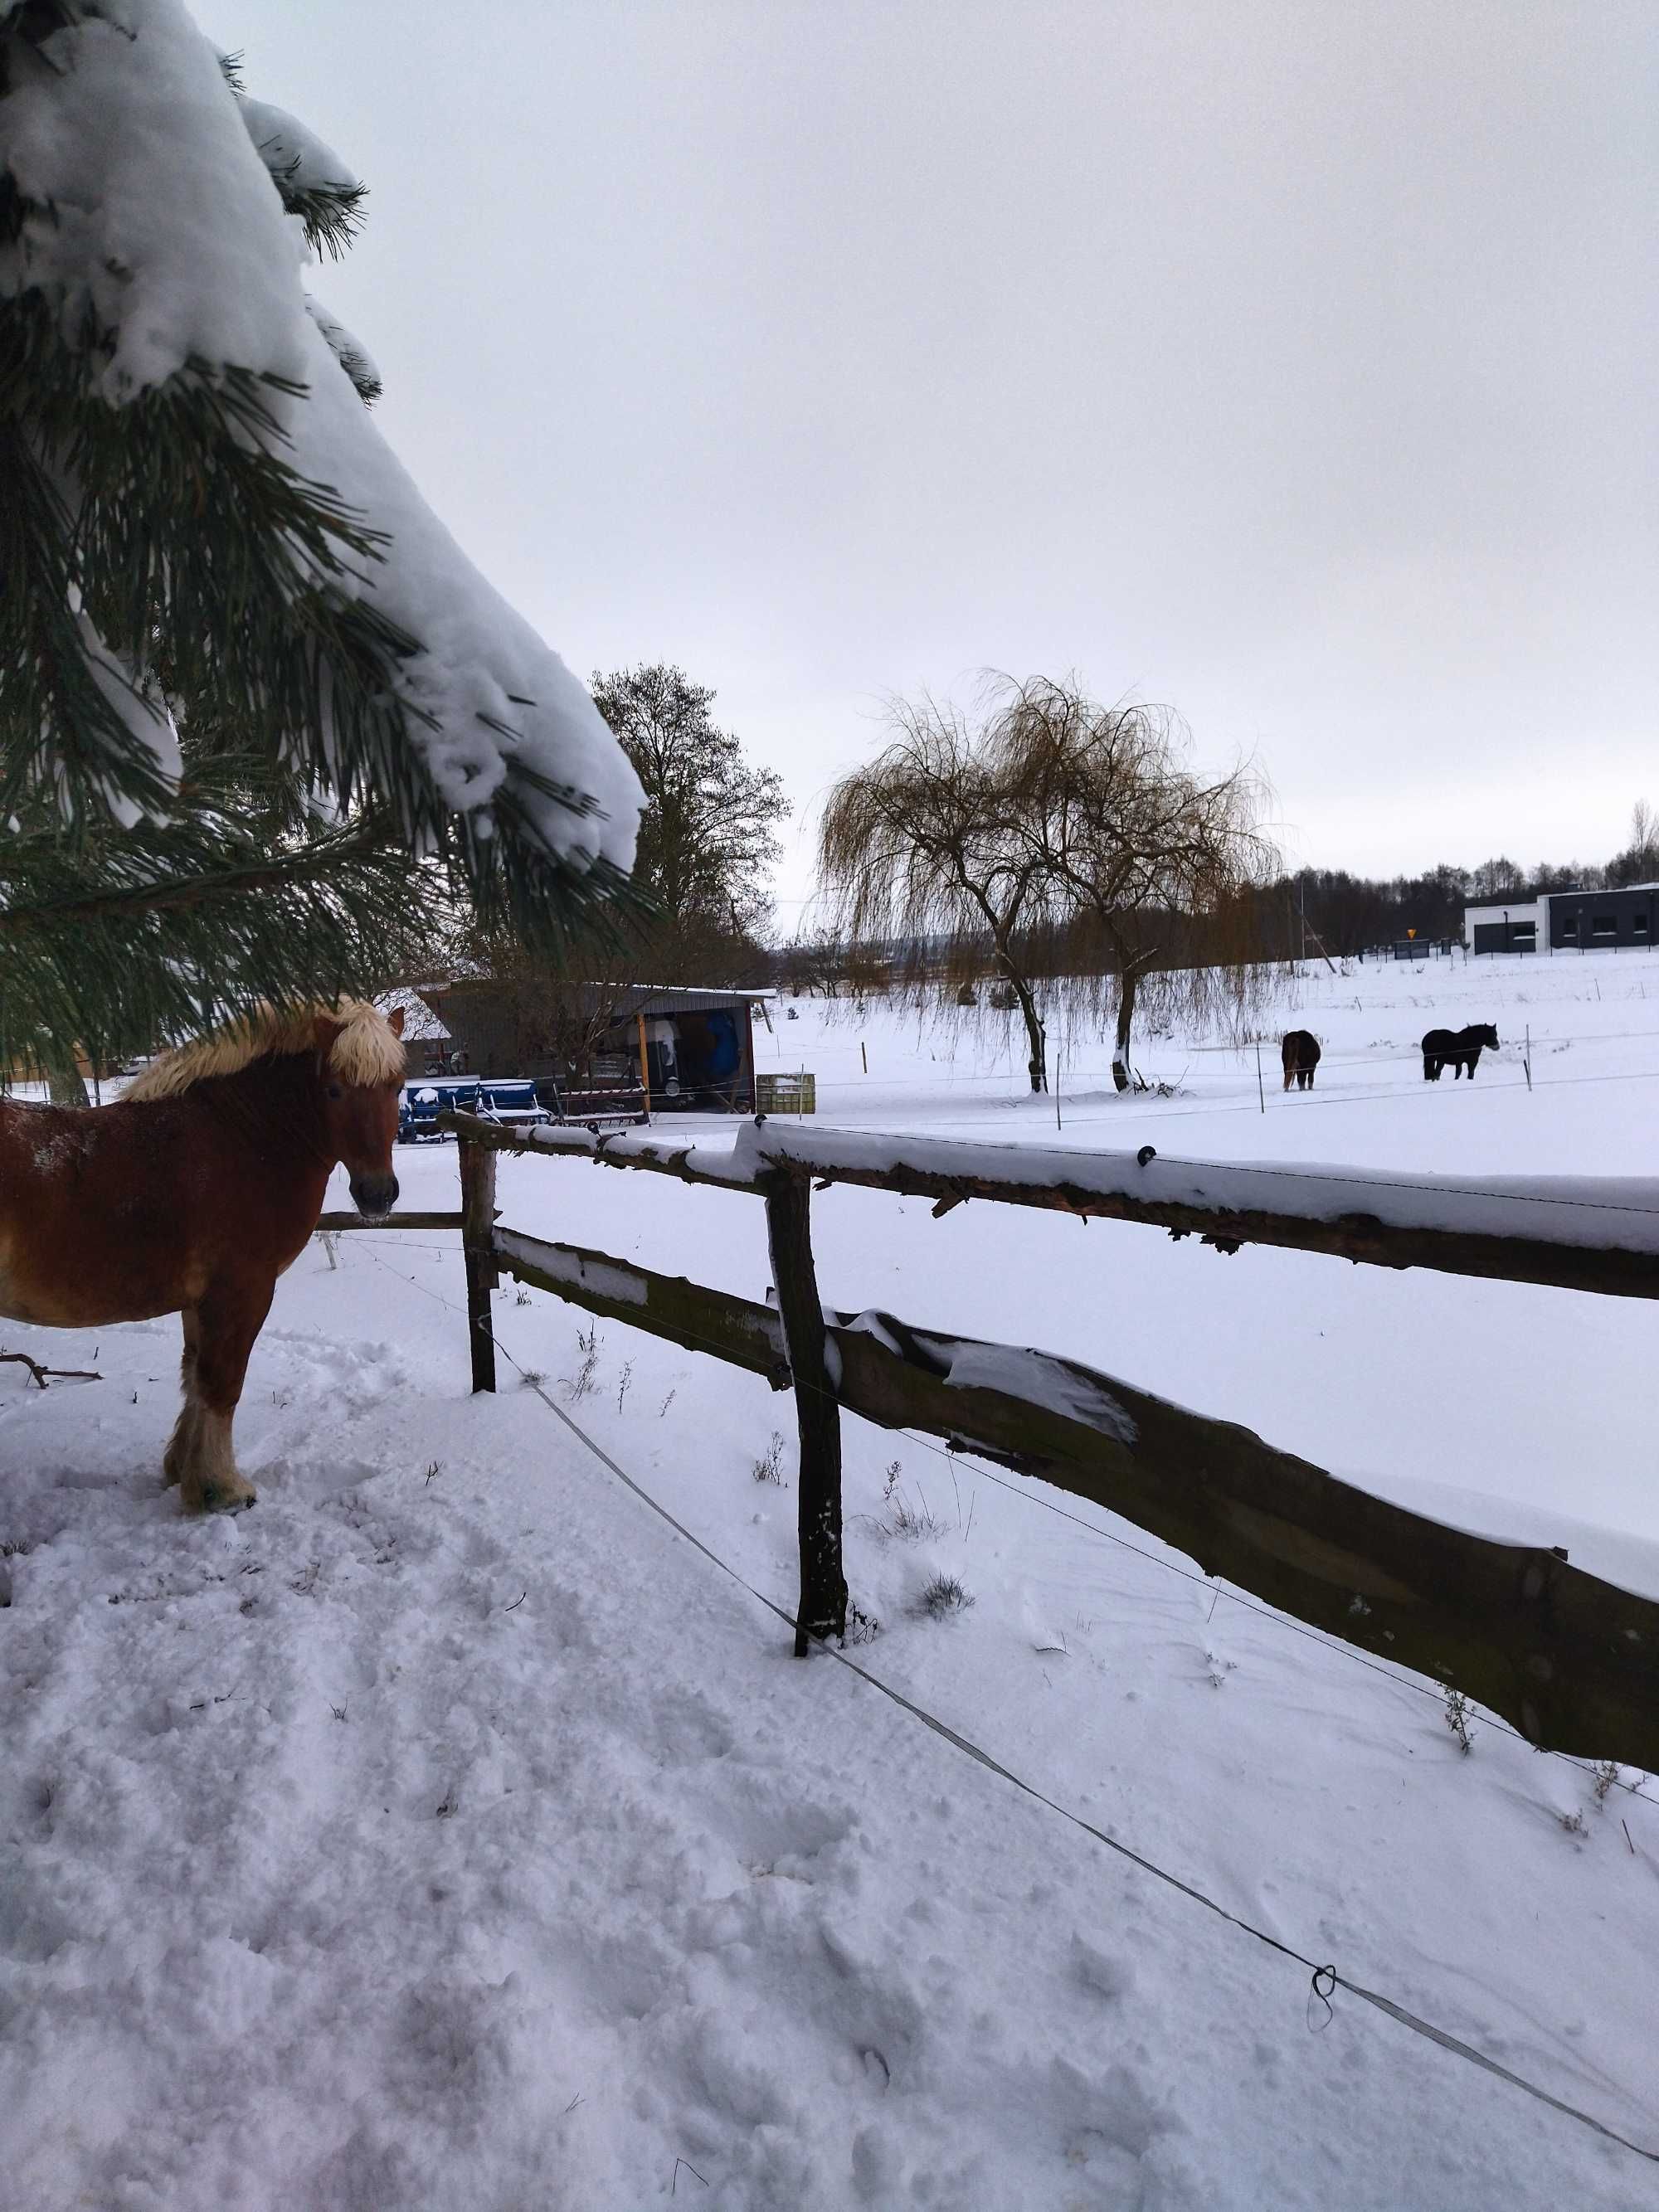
x,y
221,1497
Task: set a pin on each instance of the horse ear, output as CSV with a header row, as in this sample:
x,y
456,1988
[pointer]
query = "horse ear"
x,y
325,1030
394,1021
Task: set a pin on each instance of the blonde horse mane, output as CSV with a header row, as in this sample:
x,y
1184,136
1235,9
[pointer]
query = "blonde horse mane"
x,y
367,1050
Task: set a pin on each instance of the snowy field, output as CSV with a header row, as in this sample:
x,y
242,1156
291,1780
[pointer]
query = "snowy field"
x,y
450,1834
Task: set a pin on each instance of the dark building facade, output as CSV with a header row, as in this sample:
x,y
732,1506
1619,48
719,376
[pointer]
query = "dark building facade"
x,y
1590,921
1565,922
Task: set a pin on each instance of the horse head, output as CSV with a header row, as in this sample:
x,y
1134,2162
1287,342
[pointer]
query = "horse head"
x,y
360,1067
1487,1034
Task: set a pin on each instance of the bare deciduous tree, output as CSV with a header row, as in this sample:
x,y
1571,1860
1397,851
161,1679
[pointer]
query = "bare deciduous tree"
x,y
1051,836
918,845
1639,862
1143,861
1498,878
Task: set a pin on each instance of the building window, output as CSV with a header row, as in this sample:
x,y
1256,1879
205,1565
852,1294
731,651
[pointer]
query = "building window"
x,y
1570,925
1638,925
1605,925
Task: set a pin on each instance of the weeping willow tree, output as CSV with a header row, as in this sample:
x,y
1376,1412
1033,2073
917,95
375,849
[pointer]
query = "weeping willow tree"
x,y
1065,848
202,533
920,847
1145,863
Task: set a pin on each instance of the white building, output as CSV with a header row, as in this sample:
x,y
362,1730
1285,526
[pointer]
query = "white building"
x,y
1517,925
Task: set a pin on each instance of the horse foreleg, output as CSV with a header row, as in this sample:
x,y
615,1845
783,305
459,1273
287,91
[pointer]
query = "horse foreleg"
x,y
181,1445
228,1320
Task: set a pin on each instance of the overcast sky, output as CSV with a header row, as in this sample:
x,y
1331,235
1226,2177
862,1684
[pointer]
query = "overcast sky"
x,y
1291,363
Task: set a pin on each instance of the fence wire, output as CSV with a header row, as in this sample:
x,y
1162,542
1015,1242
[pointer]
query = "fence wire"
x,y
1324,1979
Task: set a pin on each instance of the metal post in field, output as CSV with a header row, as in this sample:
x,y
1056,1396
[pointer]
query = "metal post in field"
x,y
1526,1061
864,1056
478,1164
1261,1090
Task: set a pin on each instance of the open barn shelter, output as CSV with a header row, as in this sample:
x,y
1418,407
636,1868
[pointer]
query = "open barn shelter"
x,y
690,1046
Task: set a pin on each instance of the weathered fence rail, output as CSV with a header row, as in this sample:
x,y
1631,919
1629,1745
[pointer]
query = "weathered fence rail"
x,y
1562,1656
1571,1661
331,1225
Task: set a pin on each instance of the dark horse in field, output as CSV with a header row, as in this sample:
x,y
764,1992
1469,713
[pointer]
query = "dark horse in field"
x,y
1458,1049
193,1194
1299,1050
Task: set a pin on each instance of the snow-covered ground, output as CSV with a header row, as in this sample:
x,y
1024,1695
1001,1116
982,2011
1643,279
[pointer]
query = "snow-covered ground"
x,y
449,1833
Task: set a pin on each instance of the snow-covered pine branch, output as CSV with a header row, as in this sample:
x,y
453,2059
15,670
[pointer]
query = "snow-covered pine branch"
x,y
191,458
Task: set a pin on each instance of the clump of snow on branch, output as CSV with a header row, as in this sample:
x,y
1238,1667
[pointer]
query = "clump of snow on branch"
x,y
290,150
349,350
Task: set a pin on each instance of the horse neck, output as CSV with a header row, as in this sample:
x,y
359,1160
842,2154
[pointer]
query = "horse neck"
x,y
275,1106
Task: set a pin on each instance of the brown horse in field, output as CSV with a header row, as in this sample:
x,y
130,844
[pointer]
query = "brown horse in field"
x,y
193,1194
1299,1050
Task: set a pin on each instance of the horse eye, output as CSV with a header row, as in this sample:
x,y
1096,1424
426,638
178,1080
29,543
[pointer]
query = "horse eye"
x,y
335,1091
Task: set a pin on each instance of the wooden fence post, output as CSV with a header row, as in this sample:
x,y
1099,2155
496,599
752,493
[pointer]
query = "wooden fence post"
x,y
478,1227
822,1610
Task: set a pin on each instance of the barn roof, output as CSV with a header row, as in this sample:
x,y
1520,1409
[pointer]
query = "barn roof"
x,y
420,1024
681,999
629,999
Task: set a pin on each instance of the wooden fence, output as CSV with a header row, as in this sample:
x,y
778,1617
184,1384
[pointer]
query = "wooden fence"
x,y
1571,1661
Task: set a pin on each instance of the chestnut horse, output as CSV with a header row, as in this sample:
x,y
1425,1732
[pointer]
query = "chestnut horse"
x,y
193,1194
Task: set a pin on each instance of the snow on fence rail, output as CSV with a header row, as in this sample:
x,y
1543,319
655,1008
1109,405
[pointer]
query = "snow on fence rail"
x,y
1571,1661
1577,1233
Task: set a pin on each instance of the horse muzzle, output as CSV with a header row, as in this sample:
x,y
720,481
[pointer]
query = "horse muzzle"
x,y
374,1195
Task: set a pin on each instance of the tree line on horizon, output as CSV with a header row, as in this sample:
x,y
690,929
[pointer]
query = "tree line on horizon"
x,y
1352,914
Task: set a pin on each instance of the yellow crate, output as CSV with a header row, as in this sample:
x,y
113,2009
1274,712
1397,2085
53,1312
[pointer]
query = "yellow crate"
x,y
786,1094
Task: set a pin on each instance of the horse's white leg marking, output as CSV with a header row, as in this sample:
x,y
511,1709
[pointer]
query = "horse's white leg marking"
x,y
181,1445
212,1485
199,1455
200,1459
181,1450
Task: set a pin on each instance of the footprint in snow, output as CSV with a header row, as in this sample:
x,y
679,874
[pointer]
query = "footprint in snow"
x,y
687,1729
